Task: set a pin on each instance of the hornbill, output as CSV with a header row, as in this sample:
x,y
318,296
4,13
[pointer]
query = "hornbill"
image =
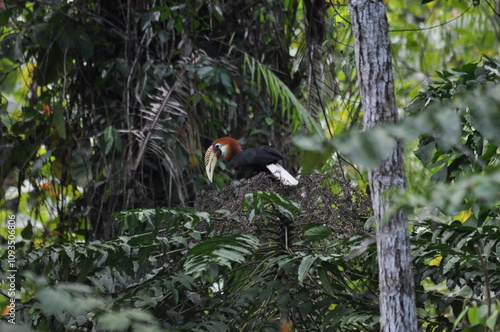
x,y
246,163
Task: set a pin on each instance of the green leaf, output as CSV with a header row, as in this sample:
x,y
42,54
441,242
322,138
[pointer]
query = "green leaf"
x,y
281,96
229,255
123,320
108,136
27,232
11,47
114,322
473,315
216,11
103,280
465,291
485,105
306,308
314,232
216,327
63,298
85,45
450,262
367,148
318,150
315,143
491,321
80,171
440,175
474,328
438,121
219,251
60,121
425,152
325,281
305,266
203,72
283,299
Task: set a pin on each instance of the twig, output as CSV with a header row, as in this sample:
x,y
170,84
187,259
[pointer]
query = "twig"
x,y
486,279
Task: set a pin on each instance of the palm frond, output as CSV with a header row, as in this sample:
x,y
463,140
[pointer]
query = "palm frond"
x,y
166,120
164,106
281,96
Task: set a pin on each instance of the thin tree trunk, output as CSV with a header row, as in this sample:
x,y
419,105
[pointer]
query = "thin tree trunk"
x,y
375,77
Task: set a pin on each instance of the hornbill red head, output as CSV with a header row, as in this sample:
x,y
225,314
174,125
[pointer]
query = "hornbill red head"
x,y
246,162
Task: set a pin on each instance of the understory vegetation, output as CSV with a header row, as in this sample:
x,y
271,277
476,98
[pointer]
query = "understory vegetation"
x,y
107,109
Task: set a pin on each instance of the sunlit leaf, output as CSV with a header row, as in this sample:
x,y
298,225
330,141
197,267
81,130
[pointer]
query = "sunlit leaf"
x,y
473,315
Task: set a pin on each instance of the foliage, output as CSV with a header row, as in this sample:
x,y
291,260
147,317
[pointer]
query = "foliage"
x,y
185,272
192,277
455,231
106,105
465,163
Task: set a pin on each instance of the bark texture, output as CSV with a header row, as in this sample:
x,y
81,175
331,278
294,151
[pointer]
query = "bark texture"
x,y
375,77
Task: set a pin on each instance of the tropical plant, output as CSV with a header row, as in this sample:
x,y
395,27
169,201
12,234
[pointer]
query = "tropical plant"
x,y
190,273
106,107
461,245
108,104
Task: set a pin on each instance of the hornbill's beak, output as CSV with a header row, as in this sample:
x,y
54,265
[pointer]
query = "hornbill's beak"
x,y
211,157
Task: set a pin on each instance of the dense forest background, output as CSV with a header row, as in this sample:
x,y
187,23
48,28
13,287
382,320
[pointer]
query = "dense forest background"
x,y
107,108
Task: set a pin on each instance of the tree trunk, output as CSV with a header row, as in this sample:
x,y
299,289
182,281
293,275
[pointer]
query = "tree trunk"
x,y
375,78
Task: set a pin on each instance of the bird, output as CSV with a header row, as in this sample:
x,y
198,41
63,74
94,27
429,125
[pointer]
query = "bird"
x,y
248,162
